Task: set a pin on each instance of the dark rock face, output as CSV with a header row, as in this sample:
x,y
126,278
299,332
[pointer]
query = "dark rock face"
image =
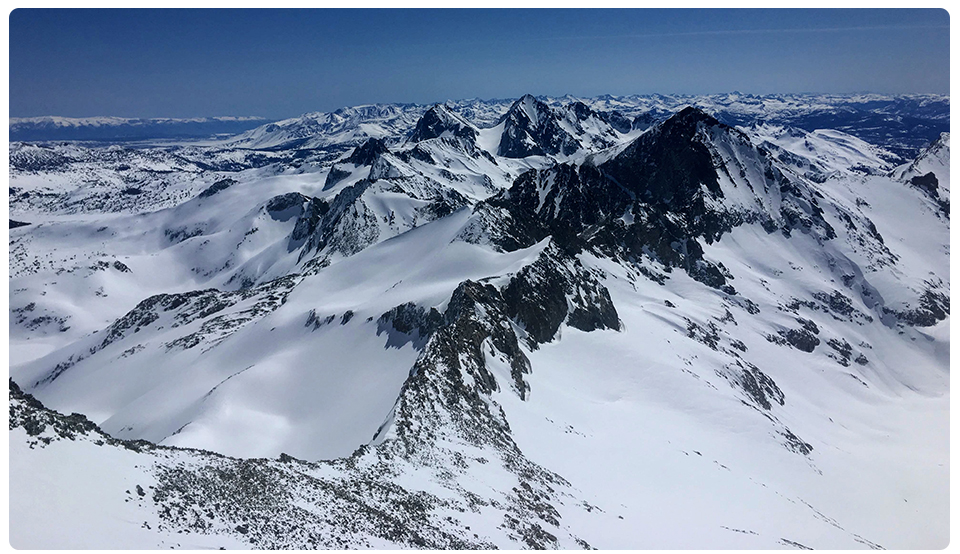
x,y
439,120
555,289
648,200
217,187
536,300
658,198
838,304
801,339
843,351
572,200
795,443
451,380
531,129
14,223
307,223
334,176
708,335
320,220
367,153
562,202
927,183
278,206
475,313
443,206
617,120
758,386
933,307
539,297
409,322
809,325
417,153
647,120
350,221
666,168
317,321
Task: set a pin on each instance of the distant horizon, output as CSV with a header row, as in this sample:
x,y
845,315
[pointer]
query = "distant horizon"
x,y
495,99
147,63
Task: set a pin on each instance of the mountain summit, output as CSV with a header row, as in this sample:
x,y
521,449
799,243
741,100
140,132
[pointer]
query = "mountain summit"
x,y
532,128
439,121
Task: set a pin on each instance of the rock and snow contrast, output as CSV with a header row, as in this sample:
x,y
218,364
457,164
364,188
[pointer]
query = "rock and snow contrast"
x,y
617,322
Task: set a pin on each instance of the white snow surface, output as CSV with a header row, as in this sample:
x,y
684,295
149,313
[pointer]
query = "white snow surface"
x,y
825,150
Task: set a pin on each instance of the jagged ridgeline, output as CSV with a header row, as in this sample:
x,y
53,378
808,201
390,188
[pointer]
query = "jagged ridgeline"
x,y
520,324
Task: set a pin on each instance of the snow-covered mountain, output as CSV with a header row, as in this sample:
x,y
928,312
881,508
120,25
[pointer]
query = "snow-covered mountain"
x,y
531,128
441,121
549,323
903,124
930,172
822,152
344,126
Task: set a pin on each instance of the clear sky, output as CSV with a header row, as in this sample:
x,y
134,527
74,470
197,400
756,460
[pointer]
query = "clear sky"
x,y
281,63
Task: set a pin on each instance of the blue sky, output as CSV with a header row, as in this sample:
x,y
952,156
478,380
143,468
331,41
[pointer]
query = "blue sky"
x,y
281,63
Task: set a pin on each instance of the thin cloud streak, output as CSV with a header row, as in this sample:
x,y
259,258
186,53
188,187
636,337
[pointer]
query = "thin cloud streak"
x,y
718,32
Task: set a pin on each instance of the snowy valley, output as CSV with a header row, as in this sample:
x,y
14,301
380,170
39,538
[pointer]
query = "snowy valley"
x,y
615,322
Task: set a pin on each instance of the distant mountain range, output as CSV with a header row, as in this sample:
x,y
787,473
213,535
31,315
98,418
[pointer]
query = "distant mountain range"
x,y
123,128
903,124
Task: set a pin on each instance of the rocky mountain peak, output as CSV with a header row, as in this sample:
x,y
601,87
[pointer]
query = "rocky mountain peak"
x,y
531,128
687,120
367,153
439,120
668,163
527,111
581,110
